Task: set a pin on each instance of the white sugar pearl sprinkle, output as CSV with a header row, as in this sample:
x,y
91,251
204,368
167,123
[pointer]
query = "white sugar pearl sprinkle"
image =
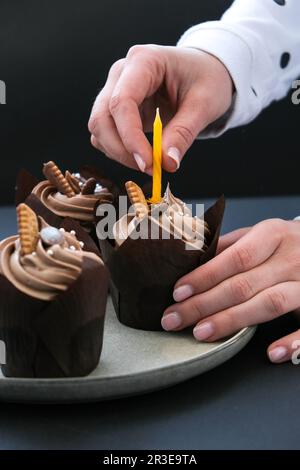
x,y
72,248
73,232
62,230
81,244
51,236
50,252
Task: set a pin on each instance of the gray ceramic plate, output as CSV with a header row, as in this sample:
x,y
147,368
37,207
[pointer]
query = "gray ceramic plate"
x,y
132,362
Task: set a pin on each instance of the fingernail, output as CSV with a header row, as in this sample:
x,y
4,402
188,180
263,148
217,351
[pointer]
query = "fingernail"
x,y
174,154
171,321
204,331
182,293
278,353
140,162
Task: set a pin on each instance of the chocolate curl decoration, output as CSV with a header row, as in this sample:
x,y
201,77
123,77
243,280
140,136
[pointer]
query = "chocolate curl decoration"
x,y
144,271
92,172
89,186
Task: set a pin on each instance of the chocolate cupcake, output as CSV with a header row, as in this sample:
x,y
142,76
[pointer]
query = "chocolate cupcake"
x,y
66,195
51,316
154,246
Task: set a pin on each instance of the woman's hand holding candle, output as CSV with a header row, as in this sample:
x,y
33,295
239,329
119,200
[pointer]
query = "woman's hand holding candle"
x,y
191,88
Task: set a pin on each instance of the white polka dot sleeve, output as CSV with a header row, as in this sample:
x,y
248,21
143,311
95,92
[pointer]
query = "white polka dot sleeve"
x,y
259,43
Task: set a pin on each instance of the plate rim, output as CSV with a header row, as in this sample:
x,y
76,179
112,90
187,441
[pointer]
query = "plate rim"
x,y
66,381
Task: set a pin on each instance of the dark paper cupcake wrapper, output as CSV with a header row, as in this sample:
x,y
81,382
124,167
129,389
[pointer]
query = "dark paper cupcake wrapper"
x,y
92,172
144,272
24,185
60,338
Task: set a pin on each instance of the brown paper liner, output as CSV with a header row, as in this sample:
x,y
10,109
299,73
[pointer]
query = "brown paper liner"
x,y
88,171
24,185
60,338
144,272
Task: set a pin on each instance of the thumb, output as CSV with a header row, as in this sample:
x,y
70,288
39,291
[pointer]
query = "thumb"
x,y
179,134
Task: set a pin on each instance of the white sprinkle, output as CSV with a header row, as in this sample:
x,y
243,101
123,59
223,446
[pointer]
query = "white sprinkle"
x,y
33,253
77,175
51,236
50,252
81,244
62,229
72,248
73,232
80,183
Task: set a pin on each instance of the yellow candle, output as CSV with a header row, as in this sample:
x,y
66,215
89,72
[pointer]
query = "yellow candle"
x,y
157,157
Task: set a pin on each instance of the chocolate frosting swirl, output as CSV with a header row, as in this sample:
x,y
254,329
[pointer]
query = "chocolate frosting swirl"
x,y
46,272
173,216
80,207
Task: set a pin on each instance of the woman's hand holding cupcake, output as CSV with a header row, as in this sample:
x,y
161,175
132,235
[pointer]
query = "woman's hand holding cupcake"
x,y
254,279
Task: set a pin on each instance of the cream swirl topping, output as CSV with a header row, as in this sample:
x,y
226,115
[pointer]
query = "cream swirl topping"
x,y
47,271
173,216
80,207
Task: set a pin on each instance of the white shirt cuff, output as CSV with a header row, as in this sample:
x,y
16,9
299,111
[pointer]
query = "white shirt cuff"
x,y
236,55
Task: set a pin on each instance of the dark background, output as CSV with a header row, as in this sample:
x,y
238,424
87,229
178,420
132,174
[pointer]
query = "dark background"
x,y
55,55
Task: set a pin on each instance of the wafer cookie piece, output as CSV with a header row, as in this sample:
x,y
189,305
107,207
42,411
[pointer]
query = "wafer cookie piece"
x,y
55,177
28,229
73,182
137,198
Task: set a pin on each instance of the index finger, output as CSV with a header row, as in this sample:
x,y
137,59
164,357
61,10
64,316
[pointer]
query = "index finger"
x,y
251,250
141,77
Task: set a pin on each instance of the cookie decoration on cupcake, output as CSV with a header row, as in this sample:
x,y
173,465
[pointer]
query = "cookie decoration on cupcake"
x,y
170,215
28,229
137,199
67,195
71,195
57,179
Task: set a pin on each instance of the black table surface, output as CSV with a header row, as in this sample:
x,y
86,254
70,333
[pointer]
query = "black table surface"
x,y
246,403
